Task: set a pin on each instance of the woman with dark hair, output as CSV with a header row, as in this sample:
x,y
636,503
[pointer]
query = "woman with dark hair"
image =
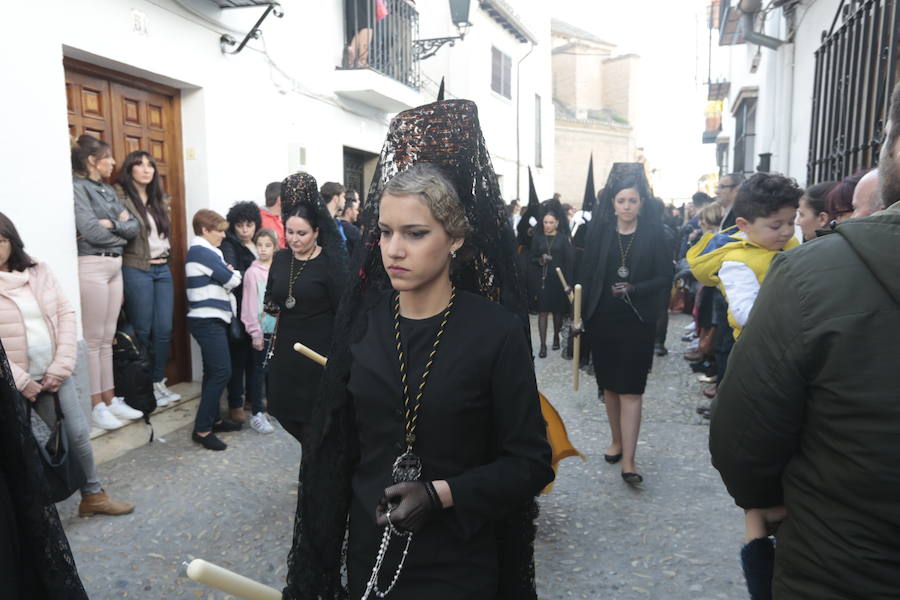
x,y
839,199
37,325
430,445
813,212
550,249
240,251
104,227
145,265
627,268
305,284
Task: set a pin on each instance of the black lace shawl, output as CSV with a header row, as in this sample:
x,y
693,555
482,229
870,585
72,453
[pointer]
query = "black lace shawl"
x,y
48,569
448,135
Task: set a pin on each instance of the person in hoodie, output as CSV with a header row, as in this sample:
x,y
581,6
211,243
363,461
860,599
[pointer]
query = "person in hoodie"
x,y
239,251
807,416
737,259
259,325
211,306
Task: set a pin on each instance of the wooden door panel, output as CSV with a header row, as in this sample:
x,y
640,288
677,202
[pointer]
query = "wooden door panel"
x,y
131,114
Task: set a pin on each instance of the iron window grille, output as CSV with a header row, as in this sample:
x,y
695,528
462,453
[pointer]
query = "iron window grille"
x,y
745,136
854,74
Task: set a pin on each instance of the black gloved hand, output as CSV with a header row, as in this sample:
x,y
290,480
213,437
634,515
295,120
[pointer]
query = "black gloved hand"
x,y
413,505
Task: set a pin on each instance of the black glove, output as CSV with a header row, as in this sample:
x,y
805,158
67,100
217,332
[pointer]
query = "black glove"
x,y
411,504
622,289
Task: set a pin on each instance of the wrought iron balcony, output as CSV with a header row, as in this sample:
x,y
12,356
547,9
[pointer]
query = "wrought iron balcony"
x,y
380,36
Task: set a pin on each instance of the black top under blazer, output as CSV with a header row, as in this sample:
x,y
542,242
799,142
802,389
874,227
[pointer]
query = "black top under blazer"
x,y
651,267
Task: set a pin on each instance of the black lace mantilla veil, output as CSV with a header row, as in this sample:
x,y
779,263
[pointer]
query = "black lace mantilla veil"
x,y
301,188
45,569
446,134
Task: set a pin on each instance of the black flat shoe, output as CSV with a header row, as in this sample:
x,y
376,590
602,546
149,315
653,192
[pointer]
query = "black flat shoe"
x,y
555,345
543,352
612,458
632,478
225,426
209,441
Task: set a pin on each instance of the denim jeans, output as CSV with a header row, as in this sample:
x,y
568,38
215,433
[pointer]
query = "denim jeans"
x,y
212,336
148,304
241,366
78,430
256,378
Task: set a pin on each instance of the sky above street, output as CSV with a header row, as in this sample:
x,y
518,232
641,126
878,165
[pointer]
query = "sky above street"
x,y
668,36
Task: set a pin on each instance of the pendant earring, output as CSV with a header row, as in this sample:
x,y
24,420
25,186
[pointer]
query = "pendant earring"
x,y
453,254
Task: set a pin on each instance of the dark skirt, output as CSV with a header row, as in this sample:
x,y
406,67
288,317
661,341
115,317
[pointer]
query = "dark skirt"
x,y
546,296
293,380
622,350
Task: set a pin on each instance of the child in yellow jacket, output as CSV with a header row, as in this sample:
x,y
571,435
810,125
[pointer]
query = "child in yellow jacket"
x,y
737,259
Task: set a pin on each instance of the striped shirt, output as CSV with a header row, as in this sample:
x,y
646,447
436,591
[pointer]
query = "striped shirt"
x,y
209,282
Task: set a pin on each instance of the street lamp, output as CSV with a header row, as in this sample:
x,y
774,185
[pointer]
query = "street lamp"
x,y
459,14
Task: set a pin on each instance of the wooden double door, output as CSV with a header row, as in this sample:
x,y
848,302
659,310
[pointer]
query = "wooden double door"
x,y
131,114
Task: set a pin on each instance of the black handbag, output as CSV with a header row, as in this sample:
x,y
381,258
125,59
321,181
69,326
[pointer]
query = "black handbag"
x,y
63,471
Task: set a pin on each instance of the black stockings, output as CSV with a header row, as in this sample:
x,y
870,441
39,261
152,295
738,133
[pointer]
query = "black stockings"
x,y
542,327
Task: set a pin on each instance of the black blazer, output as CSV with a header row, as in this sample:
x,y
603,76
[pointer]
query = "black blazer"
x,y
652,267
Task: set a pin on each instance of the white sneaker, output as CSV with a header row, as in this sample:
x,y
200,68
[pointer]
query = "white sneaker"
x,y
165,392
104,419
121,410
260,423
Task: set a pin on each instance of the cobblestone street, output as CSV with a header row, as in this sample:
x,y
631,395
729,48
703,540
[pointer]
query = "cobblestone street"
x,y
676,538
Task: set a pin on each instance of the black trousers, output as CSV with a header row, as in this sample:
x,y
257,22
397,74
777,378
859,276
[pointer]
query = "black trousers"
x,y
724,334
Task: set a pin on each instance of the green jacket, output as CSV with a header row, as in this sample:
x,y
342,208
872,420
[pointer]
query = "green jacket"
x,y
808,414
137,251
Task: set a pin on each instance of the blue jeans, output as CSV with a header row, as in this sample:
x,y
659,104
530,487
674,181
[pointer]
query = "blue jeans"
x,y
256,378
212,336
148,304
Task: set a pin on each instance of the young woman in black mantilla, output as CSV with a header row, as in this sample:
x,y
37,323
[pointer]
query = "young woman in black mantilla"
x,y
435,446
305,284
550,249
625,271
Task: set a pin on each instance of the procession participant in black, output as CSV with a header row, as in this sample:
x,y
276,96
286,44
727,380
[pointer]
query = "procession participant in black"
x,y
305,283
550,249
35,559
626,269
433,442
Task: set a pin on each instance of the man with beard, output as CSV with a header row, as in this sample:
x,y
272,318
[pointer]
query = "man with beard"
x,y
807,416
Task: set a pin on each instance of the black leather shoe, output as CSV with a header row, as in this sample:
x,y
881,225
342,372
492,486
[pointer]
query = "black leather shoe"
x,y
555,345
612,458
543,352
225,426
660,350
632,478
209,441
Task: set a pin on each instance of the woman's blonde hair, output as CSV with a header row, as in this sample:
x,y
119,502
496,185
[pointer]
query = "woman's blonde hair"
x,y
711,215
437,193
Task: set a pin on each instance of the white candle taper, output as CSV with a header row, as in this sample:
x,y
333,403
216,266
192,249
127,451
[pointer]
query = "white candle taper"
x,y
230,582
310,353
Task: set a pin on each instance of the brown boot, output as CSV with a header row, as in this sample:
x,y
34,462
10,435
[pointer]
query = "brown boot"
x,y
101,504
237,415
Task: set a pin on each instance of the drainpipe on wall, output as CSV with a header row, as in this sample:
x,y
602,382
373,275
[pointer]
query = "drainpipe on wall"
x,y
518,124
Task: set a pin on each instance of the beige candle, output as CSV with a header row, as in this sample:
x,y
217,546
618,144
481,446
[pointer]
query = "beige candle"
x,y
310,353
229,582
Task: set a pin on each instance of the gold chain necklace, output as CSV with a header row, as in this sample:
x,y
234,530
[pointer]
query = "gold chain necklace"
x,y
291,302
408,466
623,270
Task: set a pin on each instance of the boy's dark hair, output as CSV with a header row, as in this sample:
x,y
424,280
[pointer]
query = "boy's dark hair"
x,y
764,194
273,190
330,189
242,212
700,199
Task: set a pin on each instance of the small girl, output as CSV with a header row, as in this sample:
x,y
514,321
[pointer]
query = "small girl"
x,y
258,324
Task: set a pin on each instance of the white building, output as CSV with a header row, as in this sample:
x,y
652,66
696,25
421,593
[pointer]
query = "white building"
x,y
784,109
152,74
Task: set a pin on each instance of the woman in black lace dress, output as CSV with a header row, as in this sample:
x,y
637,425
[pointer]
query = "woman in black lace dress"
x,y
550,249
435,445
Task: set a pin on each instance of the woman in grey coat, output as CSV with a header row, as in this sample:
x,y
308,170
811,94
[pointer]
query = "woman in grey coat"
x,y
104,227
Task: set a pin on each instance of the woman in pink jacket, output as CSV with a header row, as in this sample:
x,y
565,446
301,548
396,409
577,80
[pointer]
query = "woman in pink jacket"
x,y
37,325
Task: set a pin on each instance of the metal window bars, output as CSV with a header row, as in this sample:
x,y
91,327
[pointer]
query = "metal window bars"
x,y
380,36
854,75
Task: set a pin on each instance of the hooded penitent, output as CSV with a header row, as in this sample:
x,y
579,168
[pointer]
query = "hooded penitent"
x,y
446,134
524,230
